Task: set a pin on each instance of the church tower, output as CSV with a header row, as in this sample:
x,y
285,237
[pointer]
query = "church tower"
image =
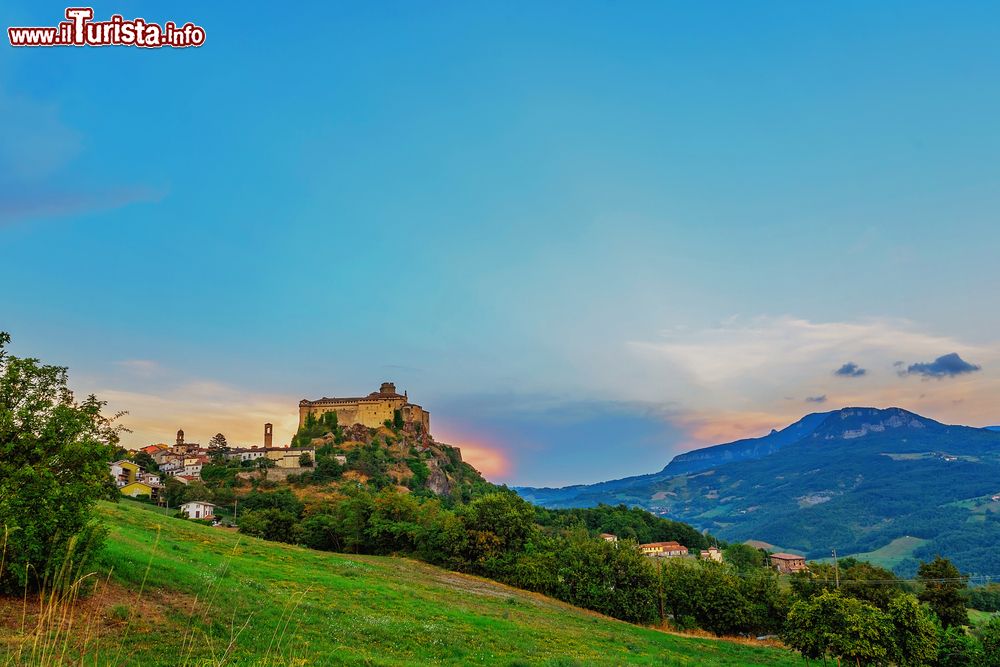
x,y
268,435
180,437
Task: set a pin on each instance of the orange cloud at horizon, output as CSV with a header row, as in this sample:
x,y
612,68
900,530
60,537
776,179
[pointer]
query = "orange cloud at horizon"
x,y
489,459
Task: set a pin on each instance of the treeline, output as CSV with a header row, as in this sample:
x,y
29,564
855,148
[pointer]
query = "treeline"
x,y
495,535
629,523
869,618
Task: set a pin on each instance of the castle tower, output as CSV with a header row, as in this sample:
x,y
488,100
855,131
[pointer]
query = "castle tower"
x,y
387,388
268,435
180,437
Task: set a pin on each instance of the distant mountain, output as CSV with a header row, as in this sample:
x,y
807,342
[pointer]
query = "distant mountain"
x,y
853,479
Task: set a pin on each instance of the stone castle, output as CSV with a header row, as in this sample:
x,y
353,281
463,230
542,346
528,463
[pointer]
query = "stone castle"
x,y
372,410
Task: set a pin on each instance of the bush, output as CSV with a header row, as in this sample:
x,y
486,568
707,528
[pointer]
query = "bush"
x,y
54,456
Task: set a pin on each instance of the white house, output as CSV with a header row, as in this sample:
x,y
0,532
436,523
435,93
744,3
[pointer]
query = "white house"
x,y
245,454
198,509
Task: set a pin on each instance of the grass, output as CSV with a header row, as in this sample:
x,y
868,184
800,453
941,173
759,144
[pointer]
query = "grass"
x,y
180,593
977,617
891,554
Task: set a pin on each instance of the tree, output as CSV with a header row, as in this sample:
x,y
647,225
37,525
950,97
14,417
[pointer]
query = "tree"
x,y
743,556
498,522
218,447
943,586
269,524
305,460
54,457
957,649
913,631
175,492
990,639
145,461
831,624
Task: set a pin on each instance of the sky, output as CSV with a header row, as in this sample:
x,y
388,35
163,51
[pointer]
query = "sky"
x,y
586,236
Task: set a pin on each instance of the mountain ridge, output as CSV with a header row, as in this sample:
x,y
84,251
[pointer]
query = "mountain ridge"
x,y
852,479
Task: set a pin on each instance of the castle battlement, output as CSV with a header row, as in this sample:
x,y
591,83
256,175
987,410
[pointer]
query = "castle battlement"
x,y
372,410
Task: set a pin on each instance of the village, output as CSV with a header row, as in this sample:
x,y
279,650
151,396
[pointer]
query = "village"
x,y
184,461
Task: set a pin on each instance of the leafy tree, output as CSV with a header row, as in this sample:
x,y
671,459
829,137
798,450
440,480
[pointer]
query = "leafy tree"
x,y
831,624
320,531
216,473
54,456
743,556
990,639
498,523
943,586
218,447
270,524
174,492
864,634
283,500
305,460
812,625
957,649
914,632
146,462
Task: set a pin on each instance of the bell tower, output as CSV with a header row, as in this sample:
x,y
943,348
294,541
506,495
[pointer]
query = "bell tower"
x,y
180,437
268,435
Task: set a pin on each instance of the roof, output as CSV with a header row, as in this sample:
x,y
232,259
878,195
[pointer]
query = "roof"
x,y
665,545
198,502
145,484
787,557
608,535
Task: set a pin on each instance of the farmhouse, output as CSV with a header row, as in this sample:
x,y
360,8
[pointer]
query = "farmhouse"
x,y
198,509
711,553
609,537
663,549
788,563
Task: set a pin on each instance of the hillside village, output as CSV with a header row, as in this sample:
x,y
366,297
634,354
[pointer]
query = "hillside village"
x,y
384,413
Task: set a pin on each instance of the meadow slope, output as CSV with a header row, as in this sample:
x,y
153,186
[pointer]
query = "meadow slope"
x,y
209,593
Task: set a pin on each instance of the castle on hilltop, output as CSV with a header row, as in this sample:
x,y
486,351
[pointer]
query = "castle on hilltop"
x,y
372,410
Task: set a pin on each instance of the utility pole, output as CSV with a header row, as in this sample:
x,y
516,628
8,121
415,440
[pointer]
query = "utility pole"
x,y
836,568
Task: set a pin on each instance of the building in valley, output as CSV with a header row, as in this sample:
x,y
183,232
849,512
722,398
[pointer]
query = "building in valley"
x,y
198,509
372,410
788,563
663,549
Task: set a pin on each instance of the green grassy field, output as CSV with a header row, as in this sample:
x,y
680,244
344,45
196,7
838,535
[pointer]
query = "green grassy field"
x,y
890,555
209,590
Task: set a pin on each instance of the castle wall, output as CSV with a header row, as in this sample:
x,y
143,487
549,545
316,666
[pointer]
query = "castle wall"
x,y
369,412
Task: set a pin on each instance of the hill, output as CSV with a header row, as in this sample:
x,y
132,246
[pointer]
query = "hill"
x,y
181,593
854,479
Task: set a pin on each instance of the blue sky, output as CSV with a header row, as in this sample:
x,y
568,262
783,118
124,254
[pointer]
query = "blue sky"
x,y
585,235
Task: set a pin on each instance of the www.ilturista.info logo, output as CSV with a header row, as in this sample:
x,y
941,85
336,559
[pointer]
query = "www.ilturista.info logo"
x,y
81,30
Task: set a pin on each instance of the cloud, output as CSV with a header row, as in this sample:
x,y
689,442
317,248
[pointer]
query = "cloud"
x,y
142,367
948,365
542,439
850,370
38,154
22,206
816,399
202,408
